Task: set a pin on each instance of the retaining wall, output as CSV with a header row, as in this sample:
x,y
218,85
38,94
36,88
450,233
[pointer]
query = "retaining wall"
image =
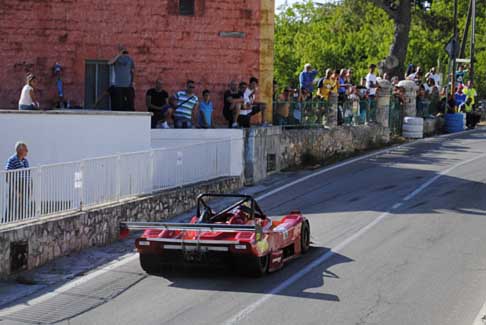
x,y
290,146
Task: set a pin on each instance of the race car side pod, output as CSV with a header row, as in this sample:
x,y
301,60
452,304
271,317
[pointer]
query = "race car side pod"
x,y
126,226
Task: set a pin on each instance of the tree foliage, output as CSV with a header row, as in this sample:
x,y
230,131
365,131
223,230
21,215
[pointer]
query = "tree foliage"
x,y
355,33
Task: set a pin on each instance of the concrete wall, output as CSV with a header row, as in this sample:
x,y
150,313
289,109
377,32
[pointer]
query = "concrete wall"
x,y
52,237
176,138
206,47
262,146
55,137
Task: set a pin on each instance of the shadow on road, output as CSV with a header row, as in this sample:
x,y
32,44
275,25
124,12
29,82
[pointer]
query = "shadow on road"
x,y
219,279
376,184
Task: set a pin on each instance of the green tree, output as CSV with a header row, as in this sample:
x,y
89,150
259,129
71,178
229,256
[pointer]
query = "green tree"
x,y
354,33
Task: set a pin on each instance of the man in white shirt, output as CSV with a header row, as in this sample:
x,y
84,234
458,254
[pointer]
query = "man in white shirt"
x,y
250,106
371,81
435,76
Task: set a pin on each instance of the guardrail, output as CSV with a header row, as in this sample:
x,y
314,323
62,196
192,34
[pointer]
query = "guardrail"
x,y
321,112
46,190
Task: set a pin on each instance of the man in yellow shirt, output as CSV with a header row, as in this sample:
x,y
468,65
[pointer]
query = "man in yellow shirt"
x,y
470,92
471,118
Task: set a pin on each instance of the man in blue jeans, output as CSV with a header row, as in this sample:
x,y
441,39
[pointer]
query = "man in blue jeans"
x,y
187,105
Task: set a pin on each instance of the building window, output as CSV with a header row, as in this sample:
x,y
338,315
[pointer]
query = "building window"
x,y
97,82
186,7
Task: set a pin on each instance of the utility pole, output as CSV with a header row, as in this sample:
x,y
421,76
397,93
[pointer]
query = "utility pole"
x,y
454,51
473,39
462,52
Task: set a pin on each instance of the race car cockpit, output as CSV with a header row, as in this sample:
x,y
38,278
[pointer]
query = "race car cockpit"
x,y
244,210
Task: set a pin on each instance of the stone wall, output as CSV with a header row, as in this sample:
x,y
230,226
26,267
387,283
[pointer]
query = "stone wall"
x,y
52,237
322,144
289,146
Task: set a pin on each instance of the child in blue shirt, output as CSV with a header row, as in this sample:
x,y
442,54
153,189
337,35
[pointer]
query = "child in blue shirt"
x,y
206,111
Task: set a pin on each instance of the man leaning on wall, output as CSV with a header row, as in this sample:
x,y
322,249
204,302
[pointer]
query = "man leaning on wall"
x,y
18,182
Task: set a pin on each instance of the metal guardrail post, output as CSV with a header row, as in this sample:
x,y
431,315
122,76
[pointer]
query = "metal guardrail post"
x,y
217,160
38,192
118,178
82,185
152,170
180,168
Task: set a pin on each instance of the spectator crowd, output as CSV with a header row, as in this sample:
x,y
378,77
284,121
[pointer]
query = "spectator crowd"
x,y
342,84
191,107
186,108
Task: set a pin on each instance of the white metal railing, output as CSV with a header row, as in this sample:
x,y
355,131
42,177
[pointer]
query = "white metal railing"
x,y
45,190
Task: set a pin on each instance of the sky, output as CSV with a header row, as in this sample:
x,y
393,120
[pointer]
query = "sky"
x,y
278,3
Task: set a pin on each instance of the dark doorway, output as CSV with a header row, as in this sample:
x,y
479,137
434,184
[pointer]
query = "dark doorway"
x,y
97,82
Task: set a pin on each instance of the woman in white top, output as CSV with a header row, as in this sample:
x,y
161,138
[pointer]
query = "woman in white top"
x,y
27,99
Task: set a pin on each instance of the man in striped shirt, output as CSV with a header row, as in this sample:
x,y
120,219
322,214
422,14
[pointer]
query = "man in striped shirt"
x,y
18,160
187,106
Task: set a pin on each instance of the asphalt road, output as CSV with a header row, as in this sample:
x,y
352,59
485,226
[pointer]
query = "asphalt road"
x,y
399,238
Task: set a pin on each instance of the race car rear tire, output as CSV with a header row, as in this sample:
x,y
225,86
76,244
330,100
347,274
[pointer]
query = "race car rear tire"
x,y
150,263
305,237
253,266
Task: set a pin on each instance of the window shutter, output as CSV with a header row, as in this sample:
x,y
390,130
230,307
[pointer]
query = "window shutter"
x,y
186,7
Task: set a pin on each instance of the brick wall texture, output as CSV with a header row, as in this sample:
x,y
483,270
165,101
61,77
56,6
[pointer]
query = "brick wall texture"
x,y
35,34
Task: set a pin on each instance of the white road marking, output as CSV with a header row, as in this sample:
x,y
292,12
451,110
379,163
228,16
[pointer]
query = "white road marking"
x,y
396,206
481,317
132,256
309,267
352,161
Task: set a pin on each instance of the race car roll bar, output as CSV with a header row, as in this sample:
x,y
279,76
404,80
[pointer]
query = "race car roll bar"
x,y
255,210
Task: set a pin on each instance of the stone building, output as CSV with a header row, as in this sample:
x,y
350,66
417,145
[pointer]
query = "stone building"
x,y
209,41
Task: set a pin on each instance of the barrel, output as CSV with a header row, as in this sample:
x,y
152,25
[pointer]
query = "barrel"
x,y
454,122
413,127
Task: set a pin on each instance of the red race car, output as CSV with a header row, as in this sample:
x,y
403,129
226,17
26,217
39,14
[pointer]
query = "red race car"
x,y
240,235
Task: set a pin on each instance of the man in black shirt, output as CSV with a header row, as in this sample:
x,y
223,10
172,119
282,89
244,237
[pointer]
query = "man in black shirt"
x,y
157,100
233,100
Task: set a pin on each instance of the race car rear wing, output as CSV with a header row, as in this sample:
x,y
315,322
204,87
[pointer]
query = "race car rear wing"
x,y
126,226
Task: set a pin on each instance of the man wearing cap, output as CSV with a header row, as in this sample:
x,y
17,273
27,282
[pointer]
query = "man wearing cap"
x,y
306,78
